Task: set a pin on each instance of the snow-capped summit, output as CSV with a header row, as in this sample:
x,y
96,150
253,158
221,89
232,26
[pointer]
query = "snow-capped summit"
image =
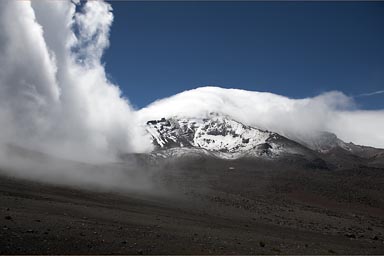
x,y
219,135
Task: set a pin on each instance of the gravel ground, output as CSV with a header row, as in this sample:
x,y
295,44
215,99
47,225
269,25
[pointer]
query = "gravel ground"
x,y
207,206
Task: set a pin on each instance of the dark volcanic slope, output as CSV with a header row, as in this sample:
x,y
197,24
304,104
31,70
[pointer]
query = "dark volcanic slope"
x,y
213,207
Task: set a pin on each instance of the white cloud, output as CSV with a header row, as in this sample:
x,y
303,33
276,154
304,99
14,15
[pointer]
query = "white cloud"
x,y
54,92
55,97
359,126
331,111
370,93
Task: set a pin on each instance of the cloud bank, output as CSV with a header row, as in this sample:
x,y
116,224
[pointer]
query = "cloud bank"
x,y
54,94
295,118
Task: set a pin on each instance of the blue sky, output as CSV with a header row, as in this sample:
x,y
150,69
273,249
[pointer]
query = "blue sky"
x,y
296,49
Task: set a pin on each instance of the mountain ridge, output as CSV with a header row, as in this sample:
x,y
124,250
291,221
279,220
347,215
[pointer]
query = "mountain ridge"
x,y
221,136
224,137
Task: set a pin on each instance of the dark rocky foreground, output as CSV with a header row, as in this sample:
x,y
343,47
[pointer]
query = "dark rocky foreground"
x,y
207,206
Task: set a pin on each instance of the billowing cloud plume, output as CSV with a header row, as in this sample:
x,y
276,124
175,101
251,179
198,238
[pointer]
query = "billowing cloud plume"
x,y
295,118
54,94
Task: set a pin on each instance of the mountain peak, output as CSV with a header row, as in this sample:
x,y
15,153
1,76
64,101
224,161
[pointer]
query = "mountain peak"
x,y
218,134
221,136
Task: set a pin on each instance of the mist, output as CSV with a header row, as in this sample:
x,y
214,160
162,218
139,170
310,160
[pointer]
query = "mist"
x,y
123,176
55,98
